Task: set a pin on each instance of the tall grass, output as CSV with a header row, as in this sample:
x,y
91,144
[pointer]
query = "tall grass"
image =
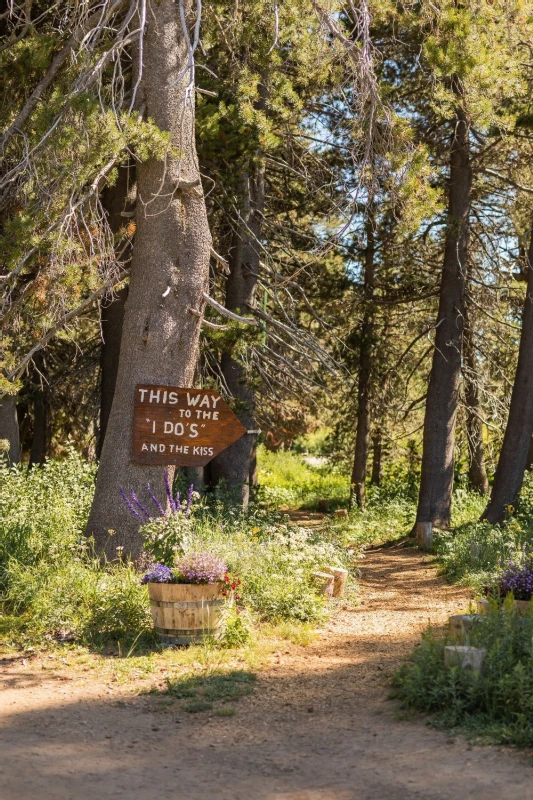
x,y
52,586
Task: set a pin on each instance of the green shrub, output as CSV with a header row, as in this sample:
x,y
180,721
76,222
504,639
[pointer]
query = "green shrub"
x,y
495,702
286,480
52,586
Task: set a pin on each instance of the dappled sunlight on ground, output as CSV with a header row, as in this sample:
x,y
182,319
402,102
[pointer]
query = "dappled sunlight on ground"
x,y
318,726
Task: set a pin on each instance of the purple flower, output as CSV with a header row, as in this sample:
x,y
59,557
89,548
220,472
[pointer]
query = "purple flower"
x,y
189,500
518,580
159,573
128,502
168,489
140,505
155,501
200,568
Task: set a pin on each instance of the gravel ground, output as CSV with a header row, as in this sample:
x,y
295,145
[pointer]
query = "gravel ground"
x,y
319,725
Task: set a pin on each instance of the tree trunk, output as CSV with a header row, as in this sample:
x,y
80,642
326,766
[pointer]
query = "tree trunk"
x,y
171,252
517,439
362,436
111,320
9,429
235,465
118,201
436,483
377,452
474,426
41,413
529,465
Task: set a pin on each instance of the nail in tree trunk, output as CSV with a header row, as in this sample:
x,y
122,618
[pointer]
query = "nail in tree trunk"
x,y
235,465
474,426
519,430
362,435
9,429
169,274
436,483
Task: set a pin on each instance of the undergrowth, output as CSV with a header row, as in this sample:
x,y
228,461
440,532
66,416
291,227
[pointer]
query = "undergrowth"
x,y
53,588
494,704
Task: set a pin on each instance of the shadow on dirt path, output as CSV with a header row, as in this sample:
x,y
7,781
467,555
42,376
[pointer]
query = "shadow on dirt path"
x,y
319,725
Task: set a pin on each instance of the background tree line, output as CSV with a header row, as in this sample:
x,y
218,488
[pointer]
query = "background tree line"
x,y
322,209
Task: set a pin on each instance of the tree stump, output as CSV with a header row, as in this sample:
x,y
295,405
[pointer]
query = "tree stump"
x,y
424,535
465,657
339,580
341,513
324,583
462,624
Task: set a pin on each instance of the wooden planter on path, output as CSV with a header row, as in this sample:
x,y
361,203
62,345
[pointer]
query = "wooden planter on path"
x,y
184,613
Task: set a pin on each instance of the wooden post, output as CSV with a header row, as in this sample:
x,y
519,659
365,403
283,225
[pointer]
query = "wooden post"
x,y
465,657
424,535
324,582
339,582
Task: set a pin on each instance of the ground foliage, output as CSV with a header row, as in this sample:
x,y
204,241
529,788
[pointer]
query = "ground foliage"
x,y
54,588
494,703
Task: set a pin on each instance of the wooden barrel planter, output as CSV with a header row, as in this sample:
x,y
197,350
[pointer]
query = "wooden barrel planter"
x,y
184,613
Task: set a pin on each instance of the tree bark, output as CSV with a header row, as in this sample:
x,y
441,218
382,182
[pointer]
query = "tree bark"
x,y
235,465
474,426
377,453
362,435
112,321
171,251
529,465
9,429
41,413
519,430
436,483
116,200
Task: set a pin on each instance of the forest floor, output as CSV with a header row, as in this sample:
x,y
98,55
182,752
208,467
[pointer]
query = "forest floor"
x,y
319,724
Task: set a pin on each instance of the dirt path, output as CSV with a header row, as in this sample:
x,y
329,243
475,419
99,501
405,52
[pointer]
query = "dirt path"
x,y
318,727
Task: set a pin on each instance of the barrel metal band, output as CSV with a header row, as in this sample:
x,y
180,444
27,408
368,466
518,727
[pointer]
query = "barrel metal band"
x,y
186,603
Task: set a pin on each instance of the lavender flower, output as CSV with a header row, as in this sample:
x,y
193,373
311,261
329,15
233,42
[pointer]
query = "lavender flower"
x,y
140,505
518,580
159,573
200,568
154,499
189,500
130,505
168,489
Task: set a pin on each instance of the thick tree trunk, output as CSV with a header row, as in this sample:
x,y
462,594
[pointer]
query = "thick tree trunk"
x,y
474,426
436,484
362,435
235,465
118,201
517,439
112,321
377,453
169,274
529,465
41,413
41,422
9,429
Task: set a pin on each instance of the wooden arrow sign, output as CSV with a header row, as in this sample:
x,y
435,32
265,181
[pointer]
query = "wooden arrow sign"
x,y
186,427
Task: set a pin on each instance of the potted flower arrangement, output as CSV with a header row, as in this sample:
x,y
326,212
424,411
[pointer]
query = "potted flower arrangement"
x,y
186,600
517,582
187,589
